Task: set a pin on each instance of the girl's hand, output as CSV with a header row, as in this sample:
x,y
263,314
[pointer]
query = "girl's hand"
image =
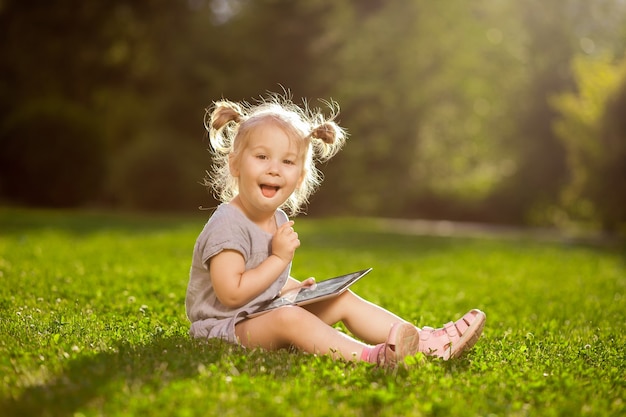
x,y
294,286
309,283
285,242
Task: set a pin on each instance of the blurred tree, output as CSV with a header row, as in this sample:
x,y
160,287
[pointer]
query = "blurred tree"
x,y
268,45
154,173
51,154
378,66
553,32
123,63
462,157
50,142
593,130
610,196
417,85
447,103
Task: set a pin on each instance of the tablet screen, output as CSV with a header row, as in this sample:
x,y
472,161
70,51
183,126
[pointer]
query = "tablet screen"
x,y
324,289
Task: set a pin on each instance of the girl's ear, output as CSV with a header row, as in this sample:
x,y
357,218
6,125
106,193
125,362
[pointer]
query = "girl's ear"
x,y
302,177
233,165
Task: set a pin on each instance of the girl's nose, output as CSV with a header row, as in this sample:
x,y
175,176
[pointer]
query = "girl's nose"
x,y
273,167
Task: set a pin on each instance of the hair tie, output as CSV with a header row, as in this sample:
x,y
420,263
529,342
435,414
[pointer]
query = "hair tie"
x,y
225,113
325,133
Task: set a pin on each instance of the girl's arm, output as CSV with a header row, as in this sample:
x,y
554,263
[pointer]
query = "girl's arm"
x,y
235,286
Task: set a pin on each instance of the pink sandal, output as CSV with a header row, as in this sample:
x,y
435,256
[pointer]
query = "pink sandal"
x,y
403,340
454,338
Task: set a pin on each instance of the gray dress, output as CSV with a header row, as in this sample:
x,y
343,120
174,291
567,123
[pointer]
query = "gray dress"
x,y
228,228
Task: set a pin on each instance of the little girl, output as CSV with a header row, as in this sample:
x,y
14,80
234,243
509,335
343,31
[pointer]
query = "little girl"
x,y
263,159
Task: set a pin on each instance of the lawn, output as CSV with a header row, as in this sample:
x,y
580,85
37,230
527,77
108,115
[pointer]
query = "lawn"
x,y
93,324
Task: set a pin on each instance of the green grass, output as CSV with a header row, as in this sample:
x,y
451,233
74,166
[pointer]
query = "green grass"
x,y
92,323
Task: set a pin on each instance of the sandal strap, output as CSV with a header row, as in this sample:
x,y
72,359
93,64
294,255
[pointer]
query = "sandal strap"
x,y
447,340
426,333
374,353
451,330
463,323
402,341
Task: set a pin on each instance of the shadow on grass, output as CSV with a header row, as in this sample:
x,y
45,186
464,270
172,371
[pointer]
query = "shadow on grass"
x,y
95,378
89,382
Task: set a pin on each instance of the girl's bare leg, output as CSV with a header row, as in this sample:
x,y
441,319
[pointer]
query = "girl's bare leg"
x,y
371,324
296,326
365,320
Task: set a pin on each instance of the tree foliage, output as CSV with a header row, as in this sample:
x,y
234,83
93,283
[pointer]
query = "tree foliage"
x,y
426,110
593,131
448,104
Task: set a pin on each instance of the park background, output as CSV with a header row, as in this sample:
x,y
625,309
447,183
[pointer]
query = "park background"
x,y
483,111
509,113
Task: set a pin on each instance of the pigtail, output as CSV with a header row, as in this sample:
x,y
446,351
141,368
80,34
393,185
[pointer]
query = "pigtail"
x,y
224,113
221,123
325,132
327,137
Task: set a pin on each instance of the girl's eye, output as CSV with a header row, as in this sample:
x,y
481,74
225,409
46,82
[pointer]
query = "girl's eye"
x,y
288,162
261,156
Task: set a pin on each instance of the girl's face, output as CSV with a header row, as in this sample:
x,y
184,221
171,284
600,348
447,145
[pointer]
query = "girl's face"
x,y
268,170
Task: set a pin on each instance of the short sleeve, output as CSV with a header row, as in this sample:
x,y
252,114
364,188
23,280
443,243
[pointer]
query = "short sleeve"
x,y
222,234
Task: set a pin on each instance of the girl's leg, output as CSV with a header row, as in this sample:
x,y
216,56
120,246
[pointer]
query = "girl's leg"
x,y
310,330
365,320
296,326
371,323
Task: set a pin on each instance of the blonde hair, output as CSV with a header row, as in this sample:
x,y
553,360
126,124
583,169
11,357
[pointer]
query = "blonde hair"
x,y
230,125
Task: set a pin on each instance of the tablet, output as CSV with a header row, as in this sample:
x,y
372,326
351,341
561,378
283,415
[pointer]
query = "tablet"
x,y
322,290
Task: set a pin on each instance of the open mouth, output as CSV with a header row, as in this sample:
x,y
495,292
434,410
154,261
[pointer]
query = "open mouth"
x,y
269,190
